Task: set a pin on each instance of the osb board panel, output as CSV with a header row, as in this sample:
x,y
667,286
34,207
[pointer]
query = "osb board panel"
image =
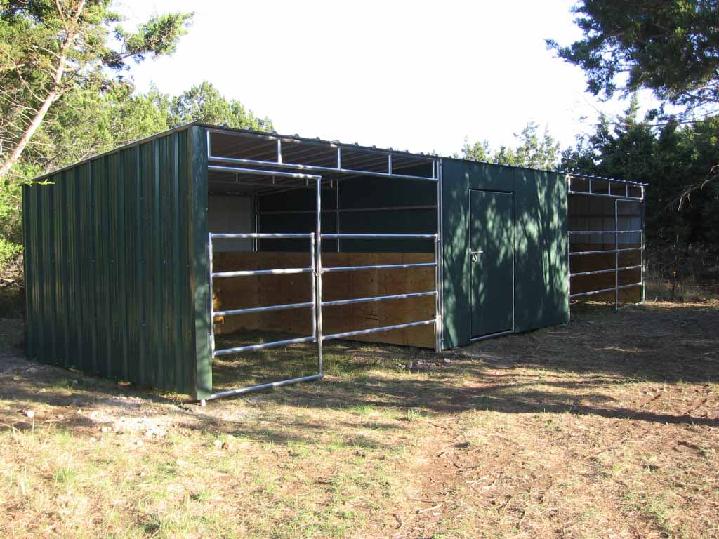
x,y
596,262
234,293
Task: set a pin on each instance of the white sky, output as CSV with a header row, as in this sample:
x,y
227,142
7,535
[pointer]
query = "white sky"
x,y
417,75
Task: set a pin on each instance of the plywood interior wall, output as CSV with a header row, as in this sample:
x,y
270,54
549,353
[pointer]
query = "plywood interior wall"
x,y
596,262
238,292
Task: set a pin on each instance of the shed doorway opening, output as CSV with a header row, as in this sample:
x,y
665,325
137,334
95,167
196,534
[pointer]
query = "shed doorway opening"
x,y
307,253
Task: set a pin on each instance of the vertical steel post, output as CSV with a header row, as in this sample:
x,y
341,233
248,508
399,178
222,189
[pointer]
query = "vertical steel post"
x,y
212,305
569,250
313,284
256,223
616,255
437,299
337,211
642,247
318,271
439,305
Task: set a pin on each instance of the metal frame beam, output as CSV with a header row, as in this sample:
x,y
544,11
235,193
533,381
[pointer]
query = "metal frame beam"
x,y
280,161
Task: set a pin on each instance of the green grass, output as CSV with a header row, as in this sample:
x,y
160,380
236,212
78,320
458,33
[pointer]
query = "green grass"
x,y
578,435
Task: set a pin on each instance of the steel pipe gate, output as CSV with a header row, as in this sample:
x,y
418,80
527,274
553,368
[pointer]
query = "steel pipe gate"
x,y
315,270
630,193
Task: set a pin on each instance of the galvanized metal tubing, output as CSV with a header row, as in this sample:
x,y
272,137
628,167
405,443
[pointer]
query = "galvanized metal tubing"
x,y
371,299
439,268
261,387
280,162
349,210
248,310
346,334
616,232
605,290
388,297
315,279
270,169
625,184
380,267
318,274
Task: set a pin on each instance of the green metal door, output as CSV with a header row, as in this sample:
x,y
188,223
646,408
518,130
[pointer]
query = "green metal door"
x,y
491,259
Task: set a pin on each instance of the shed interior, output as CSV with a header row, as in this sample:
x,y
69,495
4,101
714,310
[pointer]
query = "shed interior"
x,y
366,193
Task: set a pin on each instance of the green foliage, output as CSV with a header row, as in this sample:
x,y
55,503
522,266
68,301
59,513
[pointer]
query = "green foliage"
x,y
668,46
156,37
204,103
9,252
672,48
673,158
533,150
52,48
477,151
90,120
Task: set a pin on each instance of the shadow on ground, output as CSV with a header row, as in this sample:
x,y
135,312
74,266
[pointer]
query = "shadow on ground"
x,y
576,369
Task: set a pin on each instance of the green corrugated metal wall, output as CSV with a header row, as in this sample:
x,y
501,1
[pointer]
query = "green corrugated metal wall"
x,y
540,234
115,264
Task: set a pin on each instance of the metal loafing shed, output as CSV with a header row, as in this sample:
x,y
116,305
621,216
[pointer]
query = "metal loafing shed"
x,y
155,262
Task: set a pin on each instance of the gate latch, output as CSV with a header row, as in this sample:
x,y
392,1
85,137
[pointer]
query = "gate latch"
x,y
475,255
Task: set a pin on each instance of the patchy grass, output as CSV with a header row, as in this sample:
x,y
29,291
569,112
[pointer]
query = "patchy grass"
x,y
606,427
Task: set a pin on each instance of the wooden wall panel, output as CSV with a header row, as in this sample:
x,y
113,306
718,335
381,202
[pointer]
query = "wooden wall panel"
x,y
254,291
586,283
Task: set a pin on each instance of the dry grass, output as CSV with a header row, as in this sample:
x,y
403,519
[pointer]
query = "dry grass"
x,y
608,427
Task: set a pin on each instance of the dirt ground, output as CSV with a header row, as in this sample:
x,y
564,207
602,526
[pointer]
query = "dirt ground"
x,y
608,427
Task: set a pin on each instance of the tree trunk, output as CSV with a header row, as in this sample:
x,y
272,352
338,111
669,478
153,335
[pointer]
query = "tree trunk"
x,y
28,134
52,96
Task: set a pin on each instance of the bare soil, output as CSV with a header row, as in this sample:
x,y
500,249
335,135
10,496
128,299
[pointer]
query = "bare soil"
x,y
606,427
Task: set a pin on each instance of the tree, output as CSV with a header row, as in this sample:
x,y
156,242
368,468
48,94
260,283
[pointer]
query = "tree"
x,y
669,157
533,150
477,151
204,103
88,120
48,48
668,46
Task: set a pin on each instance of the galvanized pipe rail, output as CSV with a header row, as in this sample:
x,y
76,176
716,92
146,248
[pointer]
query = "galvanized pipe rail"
x,y
280,162
389,297
315,269
265,308
315,263
616,232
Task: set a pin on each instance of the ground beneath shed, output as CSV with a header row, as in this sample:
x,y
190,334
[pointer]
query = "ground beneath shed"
x,y
607,427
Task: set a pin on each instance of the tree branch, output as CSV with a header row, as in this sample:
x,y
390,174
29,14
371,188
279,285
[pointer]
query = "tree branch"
x,y
52,95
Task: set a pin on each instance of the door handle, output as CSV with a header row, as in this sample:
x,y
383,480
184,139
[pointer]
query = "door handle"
x,y
475,255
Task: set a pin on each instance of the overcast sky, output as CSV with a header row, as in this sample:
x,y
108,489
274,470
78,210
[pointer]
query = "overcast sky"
x,y
414,75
